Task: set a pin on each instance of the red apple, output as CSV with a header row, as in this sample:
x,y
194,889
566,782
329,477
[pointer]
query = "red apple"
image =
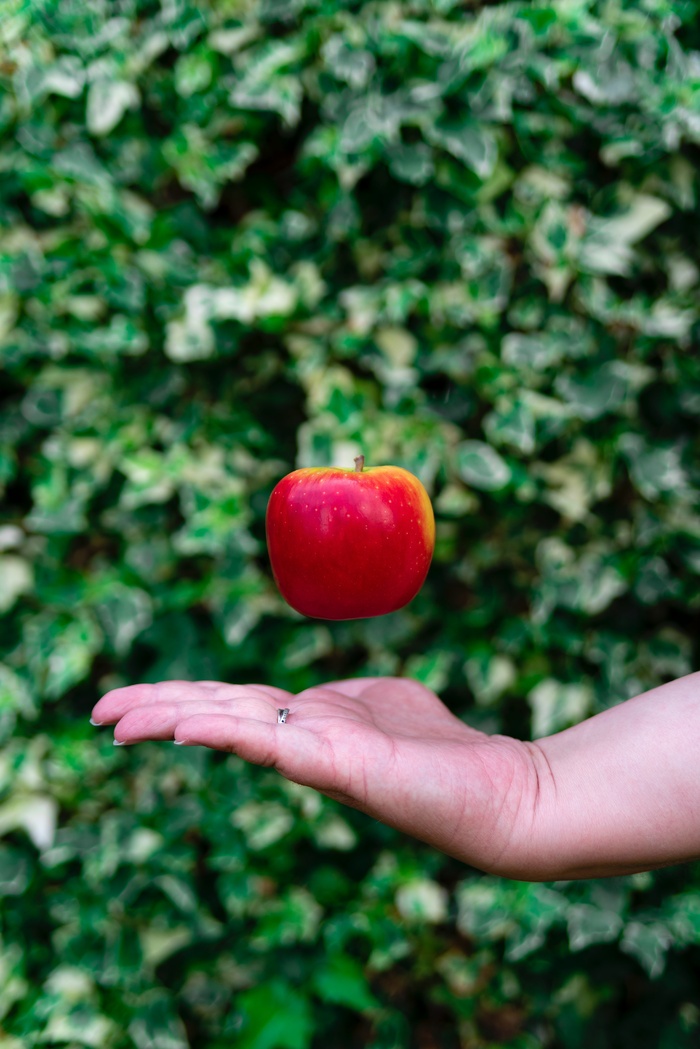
x,y
349,544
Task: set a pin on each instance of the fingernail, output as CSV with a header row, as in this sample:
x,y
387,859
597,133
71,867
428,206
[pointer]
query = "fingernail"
x,y
119,742
96,723
179,742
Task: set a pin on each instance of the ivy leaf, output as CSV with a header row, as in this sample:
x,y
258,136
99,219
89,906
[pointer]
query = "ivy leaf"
x,y
412,164
276,1016
588,924
107,102
469,142
343,982
649,943
481,466
157,1025
265,84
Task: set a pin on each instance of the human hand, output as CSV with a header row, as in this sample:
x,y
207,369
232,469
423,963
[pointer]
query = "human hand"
x,y
385,745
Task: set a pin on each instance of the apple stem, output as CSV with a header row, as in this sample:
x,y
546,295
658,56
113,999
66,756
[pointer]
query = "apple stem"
x,y
359,463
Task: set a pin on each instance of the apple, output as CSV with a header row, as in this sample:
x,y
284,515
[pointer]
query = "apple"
x,y
349,544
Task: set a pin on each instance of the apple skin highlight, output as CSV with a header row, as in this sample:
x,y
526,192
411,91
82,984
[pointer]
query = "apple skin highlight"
x,y
349,544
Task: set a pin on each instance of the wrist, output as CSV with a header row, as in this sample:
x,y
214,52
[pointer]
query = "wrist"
x,y
504,817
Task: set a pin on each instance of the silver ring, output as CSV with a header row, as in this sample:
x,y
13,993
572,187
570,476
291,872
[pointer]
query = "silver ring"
x,y
282,715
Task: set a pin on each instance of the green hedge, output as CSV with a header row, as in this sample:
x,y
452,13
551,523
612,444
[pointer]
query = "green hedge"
x,y
244,236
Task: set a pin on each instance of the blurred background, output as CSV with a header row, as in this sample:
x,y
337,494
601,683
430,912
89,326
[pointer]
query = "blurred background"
x,y
247,236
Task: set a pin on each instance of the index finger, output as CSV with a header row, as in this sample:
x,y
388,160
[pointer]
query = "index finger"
x,y
115,703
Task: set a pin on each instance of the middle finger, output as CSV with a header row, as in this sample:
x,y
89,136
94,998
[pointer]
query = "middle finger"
x,y
158,720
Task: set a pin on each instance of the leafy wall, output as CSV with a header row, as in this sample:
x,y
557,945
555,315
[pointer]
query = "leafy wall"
x,y
237,238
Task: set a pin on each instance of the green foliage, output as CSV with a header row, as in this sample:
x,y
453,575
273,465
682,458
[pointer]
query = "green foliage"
x,y
246,236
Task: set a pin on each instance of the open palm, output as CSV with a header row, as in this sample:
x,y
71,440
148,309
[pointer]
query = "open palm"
x,y
385,745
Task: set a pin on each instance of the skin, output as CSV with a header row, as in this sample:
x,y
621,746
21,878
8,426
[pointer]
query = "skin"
x,y
615,794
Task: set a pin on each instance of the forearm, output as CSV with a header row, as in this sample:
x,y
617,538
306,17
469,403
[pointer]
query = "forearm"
x,y
620,792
